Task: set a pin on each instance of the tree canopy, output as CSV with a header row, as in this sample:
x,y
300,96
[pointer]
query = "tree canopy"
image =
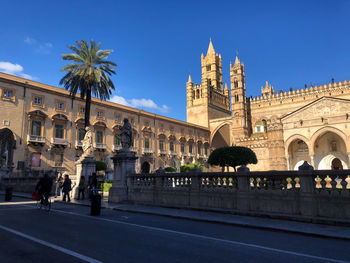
x,y
89,73
232,156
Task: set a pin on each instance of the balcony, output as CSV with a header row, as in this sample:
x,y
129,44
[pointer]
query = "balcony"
x,y
78,144
191,155
133,149
147,151
36,139
183,154
116,147
172,153
200,156
162,152
100,146
59,141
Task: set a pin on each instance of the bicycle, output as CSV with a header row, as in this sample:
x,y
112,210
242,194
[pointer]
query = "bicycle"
x,y
44,204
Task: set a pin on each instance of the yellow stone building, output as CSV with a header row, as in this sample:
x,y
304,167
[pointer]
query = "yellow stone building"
x,y
41,128
282,128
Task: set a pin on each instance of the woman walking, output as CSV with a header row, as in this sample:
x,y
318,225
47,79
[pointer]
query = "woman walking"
x,y
67,187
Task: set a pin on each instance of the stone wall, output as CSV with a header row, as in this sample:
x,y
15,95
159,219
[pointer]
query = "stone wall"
x,y
291,193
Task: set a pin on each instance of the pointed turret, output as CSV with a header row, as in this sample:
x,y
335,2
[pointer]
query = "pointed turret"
x,y
211,50
237,60
226,87
189,78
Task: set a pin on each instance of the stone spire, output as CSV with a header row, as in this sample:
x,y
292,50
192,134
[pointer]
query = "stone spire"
x,y
189,78
226,87
237,60
211,50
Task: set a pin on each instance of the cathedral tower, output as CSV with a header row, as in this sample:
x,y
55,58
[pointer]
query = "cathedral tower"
x,y
238,100
208,100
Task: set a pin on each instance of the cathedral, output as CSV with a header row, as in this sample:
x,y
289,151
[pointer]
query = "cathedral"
x,y
284,129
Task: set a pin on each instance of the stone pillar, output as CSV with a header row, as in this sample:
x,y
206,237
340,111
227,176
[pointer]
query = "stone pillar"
x,y
85,168
312,160
124,165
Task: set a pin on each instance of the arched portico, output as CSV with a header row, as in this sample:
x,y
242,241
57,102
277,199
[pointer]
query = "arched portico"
x,y
7,145
221,136
329,147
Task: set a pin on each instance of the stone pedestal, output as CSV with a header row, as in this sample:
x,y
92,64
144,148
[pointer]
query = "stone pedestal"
x,y
124,165
85,168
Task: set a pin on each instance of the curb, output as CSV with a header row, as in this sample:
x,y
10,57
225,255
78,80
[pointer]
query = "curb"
x,y
278,229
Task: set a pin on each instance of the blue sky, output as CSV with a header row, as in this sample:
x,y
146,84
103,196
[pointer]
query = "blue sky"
x,y
158,43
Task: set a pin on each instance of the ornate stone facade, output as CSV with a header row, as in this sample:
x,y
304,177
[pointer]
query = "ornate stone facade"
x,y
48,131
283,128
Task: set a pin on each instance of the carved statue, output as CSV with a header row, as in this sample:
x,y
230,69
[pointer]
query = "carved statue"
x,y
126,135
87,143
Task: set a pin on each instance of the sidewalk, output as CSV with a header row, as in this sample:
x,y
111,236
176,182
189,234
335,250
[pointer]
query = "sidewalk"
x,y
319,230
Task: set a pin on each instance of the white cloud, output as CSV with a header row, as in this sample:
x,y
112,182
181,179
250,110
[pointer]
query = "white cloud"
x,y
13,69
43,48
29,40
140,103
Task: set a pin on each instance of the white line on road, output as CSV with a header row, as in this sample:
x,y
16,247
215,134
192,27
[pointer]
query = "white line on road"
x,y
42,242
205,237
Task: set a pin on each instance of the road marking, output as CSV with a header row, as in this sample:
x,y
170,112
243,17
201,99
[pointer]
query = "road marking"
x,y
42,242
288,252
19,203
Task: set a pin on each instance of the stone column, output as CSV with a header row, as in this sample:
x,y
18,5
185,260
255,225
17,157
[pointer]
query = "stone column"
x,y
124,165
85,168
312,160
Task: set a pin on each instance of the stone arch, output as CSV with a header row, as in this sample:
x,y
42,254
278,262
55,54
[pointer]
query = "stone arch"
x,y
322,131
59,116
222,136
218,128
145,167
7,146
296,137
297,152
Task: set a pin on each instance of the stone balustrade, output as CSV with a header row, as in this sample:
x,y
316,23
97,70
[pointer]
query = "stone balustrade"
x,y
310,193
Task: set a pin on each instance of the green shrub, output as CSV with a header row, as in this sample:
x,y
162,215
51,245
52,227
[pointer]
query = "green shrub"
x,y
232,156
101,166
189,167
170,169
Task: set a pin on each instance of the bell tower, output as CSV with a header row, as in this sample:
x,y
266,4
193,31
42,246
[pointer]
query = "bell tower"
x,y
208,100
238,100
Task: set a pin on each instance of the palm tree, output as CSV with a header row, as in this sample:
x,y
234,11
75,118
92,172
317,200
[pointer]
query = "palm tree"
x,y
89,73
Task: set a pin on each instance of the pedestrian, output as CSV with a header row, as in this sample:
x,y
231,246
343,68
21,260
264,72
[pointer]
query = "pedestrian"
x,y
67,187
59,183
92,184
81,188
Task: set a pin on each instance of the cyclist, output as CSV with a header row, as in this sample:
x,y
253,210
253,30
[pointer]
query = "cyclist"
x,y
43,188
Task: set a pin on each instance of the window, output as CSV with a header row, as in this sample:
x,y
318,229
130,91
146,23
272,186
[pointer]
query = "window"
x,y
117,118
60,106
100,114
147,143
161,145
206,150
190,148
81,134
199,149
132,121
36,160
117,139
171,146
182,147
236,84
147,124
208,67
7,94
38,101
59,131
36,128
58,160
81,110
99,137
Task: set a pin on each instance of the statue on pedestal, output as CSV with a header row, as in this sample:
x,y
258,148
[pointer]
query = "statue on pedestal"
x,y
87,144
126,135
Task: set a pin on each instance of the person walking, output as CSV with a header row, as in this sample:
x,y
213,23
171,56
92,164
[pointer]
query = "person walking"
x,y
81,188
67,187
58,182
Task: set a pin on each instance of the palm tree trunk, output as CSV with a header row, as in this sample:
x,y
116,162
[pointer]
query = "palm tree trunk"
x,y
87,107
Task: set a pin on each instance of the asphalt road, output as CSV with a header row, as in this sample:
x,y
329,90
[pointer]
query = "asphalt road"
x,y
69,234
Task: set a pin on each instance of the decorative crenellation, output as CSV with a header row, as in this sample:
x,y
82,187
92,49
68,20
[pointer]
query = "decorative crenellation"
x,y
312,91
